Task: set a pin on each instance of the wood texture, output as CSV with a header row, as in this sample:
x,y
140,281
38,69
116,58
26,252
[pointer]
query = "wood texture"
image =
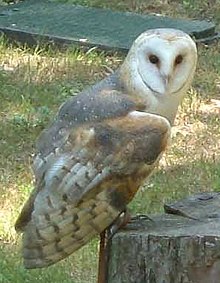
x,y
180,246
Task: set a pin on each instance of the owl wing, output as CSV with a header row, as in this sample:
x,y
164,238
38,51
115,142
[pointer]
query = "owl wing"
x,y
88,175
92,106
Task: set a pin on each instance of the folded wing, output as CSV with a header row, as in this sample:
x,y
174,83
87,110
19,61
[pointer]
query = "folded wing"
x,y
83,185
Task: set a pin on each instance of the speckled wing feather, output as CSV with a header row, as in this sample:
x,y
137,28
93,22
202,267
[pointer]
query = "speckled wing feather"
x,y
88,174
103,101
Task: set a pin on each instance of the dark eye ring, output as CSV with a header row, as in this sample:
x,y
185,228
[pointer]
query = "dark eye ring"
x,y
179,59
154,59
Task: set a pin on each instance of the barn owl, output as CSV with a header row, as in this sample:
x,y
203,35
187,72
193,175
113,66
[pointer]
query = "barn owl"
x,y
102,145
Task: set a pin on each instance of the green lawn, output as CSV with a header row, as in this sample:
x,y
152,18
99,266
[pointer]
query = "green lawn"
x,y
33,85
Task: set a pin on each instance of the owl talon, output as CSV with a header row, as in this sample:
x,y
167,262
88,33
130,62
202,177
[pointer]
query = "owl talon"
x,y
141,217
120,222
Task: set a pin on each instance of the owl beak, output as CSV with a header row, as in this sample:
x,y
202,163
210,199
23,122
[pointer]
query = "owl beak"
x,y
166,80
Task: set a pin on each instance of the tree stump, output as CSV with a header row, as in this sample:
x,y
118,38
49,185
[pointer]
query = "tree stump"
x,y
180,246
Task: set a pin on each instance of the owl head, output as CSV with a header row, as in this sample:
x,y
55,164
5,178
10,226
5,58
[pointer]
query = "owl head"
x,y
159,67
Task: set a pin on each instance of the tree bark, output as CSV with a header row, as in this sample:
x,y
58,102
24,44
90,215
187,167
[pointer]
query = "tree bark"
x,y
180,246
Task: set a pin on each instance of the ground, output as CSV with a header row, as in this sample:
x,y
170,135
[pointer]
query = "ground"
x,y
34,82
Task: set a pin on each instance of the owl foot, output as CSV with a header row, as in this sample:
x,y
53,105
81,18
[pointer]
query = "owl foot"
x,y
120,222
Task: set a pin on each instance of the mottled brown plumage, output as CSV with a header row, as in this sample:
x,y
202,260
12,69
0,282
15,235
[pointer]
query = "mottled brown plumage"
x,y
91,161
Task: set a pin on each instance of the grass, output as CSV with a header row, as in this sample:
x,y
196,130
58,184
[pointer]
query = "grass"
x,y
34,82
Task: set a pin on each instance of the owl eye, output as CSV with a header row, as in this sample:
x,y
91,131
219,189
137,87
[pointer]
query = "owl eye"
x,y
154,59
178,59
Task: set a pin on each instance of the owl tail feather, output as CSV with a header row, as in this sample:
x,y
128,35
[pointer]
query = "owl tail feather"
x,y
56,236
